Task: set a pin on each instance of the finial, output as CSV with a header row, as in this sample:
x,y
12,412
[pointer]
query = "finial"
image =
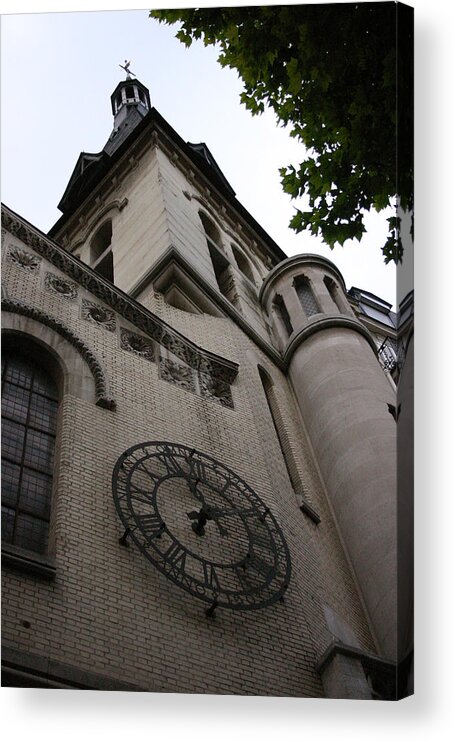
x,y
126,67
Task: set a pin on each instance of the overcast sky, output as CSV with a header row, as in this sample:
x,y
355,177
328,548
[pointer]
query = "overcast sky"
x,y
58,71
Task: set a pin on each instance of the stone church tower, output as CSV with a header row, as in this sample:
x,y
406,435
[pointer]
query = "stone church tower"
x,y
199,439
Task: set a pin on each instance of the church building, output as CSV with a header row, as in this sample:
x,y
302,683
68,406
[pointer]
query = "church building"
x,y
199,442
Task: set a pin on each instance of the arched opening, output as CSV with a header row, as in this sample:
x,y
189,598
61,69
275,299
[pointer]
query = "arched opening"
x,y
306,296
220,263
243,263
283,315
211,231
30,399
101,257
332,288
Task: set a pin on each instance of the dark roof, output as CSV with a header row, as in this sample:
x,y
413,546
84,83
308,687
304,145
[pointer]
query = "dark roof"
x,y
373,306
85,177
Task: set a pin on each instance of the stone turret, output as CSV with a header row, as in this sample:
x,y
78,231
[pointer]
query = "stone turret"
x,y
343,395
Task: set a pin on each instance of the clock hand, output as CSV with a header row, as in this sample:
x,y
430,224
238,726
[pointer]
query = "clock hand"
x,y
240,511
206,513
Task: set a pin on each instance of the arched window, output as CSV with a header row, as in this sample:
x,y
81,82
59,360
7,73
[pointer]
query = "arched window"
x,y
219,261
101,258
29,419
243,263
333,291
306,296
211,231
281,310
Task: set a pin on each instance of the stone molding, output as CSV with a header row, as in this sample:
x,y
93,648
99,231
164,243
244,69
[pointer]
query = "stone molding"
x,y
25,560
116,204
294,261
61,286
124,305
98,315
99,377
326,323
25,666
173,255
24,259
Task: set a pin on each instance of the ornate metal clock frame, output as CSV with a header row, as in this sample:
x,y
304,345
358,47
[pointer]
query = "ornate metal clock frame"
x,y
201,525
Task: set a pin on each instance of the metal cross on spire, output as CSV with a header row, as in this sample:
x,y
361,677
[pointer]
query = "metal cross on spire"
x,y
126,67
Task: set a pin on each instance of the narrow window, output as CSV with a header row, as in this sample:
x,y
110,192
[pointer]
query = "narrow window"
x,y
243,263
101,257
283,314
286,447
219,261
306,296
267,385
29,417
333,291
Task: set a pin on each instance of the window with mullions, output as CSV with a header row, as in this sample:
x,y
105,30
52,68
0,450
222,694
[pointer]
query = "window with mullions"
x,y
29,419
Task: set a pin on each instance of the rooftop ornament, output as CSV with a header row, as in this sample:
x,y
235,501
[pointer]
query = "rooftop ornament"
x,y
126,67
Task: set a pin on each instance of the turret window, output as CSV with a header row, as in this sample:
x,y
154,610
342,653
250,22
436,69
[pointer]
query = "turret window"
x,y
306,296
283,314
333,291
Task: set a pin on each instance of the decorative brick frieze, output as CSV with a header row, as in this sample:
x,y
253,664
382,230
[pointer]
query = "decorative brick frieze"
x,y
99,377
98,315
178,374
124,305
137,344
215,389
62,286
24,259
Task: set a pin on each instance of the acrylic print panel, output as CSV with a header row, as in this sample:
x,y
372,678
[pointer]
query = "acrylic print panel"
x,y
234,430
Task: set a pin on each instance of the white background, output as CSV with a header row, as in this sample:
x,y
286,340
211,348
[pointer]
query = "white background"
x,y
43,715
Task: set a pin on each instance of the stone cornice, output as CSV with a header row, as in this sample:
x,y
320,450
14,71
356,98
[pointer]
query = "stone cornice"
x,y
120,302
172,255
325,323
298,260
337,647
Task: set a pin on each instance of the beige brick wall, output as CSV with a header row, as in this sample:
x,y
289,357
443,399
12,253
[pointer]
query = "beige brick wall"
x,y
108,610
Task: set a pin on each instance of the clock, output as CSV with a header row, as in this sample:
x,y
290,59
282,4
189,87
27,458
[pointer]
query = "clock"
x,y
201,525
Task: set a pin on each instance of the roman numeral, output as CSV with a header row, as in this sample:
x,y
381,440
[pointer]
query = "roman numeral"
x,y
211,577
176,558
140,496
151,524
171,463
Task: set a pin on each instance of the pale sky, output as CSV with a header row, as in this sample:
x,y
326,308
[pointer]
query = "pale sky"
x,y
58,71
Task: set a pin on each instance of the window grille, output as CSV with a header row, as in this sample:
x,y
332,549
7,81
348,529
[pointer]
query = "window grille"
x,y
29,419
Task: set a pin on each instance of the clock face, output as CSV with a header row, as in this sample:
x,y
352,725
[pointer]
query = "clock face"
x,y
201,525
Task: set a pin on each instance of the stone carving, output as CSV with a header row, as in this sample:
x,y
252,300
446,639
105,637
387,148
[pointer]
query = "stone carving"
x,y
137,344
98,315
215,389
144,320
176,373
24,259
61,286
99,377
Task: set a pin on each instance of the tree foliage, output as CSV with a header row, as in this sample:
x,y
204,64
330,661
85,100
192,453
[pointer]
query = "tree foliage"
x,y
334,73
